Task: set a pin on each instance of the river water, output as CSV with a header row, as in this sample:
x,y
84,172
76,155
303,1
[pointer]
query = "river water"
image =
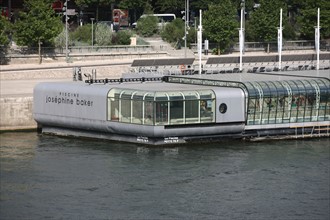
x,y
48,177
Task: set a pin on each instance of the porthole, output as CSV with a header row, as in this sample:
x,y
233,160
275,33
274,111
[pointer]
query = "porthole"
x,y
223,108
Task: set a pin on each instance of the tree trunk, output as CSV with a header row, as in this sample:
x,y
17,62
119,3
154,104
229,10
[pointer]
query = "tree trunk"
x,y
219,49
40,58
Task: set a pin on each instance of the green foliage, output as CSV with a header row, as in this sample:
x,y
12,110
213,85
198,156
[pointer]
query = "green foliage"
x,y
265,20
203,4
82,3
289,32
37,24
308,18
169,5
103,35
173,31
122,38
5,28
192,35
220,24
82,34
132,4
147,26
59,40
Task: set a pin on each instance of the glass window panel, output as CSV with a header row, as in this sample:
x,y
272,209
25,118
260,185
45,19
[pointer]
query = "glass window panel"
x,y
327,111
251,111
125,107
287,105
149,112
295,101
137,111
280,101
176,112
114,109
191,111
206,94
161,96
161,113
207,110
190,95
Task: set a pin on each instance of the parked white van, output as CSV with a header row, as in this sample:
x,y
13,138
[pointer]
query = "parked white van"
x,y
163,19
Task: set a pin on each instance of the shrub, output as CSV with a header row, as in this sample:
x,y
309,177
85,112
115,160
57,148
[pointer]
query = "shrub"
x,y
103,35
83,34
123,38
174,33
147,26
59,40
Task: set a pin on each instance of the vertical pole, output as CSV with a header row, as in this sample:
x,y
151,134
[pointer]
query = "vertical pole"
x,y
279,42
318,40
200,42
66,32
9,10
187,23
243,32
188,13
92,19
241,43
185,28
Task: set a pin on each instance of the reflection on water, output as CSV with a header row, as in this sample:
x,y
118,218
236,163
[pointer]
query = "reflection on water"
x,y
66,178
18,146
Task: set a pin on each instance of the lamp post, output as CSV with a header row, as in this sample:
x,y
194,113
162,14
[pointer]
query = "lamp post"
x,y
279,42
186,25
92,19
199,42
243,28
66,31
317,40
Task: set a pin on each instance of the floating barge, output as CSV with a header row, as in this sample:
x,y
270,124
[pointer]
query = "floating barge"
x,y
186,108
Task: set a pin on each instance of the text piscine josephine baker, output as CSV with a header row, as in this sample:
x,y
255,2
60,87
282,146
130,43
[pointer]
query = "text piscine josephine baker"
x,y
68,100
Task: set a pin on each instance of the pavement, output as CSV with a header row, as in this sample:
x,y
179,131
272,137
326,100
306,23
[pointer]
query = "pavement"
x,y
160,45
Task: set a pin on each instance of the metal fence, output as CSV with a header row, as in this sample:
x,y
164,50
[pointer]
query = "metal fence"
x,y
17,51
272,46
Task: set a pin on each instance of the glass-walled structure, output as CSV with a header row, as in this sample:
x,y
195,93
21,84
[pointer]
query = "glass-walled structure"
x,y
161,108
277,102
274,101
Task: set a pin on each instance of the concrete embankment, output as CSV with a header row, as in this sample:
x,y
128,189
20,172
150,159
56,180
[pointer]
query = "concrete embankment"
x,y
18,81
16,113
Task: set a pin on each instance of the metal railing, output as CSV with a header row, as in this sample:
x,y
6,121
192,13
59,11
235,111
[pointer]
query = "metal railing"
x,y
272,46
51,51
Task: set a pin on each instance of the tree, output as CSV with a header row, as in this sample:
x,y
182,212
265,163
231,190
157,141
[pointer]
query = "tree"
x,y
148,25
307,19
220,24
173,31
82,35
97,3
135,5
122,37
202,4
103,35
4,31
170,5
265,20
38,25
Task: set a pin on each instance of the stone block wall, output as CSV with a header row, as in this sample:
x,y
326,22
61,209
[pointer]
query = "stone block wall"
x,y
16,113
